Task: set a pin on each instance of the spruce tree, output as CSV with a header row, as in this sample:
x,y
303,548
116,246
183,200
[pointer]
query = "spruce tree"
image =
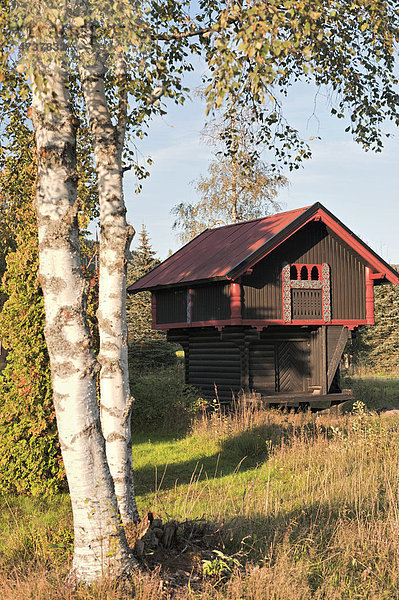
x,y
377,346
138,307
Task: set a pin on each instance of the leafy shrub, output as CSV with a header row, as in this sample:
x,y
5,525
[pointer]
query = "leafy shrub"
x,y
151,354
163,400
30,458
221,566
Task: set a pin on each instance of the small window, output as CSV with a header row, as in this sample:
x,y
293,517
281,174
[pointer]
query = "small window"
x,y
294,272
304,274
314,274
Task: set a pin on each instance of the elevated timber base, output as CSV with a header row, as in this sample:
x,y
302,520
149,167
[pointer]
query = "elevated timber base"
x,y
295,365
317,402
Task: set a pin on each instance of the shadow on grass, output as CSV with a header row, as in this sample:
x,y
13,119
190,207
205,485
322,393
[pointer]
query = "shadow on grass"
x,y
334,547
243,451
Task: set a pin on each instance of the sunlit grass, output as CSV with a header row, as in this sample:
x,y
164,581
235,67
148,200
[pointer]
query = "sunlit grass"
x,y
308,501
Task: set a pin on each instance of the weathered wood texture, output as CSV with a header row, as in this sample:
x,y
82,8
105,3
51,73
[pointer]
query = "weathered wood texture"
x,y
314,244
277,360
214,365
336,341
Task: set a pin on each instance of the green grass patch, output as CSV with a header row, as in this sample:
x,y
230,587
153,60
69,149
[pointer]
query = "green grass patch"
x,y
306,503
378,392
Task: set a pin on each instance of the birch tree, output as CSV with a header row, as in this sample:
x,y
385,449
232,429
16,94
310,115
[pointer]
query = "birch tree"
x,y
238,185
95,443
115,238
100,544
122,58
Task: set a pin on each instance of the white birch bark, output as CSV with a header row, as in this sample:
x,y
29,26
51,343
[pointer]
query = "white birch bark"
x,y
100,544
115,238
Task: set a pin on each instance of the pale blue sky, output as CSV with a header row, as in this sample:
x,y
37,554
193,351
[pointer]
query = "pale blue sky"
x,y
360,188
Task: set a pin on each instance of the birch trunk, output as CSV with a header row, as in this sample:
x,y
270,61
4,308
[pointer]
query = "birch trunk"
x,y
115,239
100,544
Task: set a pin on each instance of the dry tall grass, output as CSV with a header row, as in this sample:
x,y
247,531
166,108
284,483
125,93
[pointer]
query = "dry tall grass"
x,y
317,518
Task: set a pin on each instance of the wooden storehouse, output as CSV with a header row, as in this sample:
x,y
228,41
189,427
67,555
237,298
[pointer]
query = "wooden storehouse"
x,y
267,305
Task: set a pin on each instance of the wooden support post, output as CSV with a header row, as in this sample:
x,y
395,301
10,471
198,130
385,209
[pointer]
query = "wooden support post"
x,y
369,297
323,358
235,303
336,357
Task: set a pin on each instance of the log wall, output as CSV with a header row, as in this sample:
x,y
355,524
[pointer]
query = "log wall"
x,y
277,360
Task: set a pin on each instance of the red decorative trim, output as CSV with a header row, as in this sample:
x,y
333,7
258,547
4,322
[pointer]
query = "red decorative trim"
x,y
322,283
350,323
348,237
286,285
326,292
260,324
235,303
166,326
369,297
355,244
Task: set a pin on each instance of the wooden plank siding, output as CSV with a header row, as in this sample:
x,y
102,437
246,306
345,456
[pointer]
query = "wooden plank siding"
x,y
262,367
171,306
313,244
316,353
211,302
293,366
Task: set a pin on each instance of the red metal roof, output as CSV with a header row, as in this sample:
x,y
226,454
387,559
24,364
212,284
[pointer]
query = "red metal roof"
x,y
215,252
227,252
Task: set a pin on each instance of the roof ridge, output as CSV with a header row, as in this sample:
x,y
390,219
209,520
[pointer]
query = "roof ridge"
x,y
286,212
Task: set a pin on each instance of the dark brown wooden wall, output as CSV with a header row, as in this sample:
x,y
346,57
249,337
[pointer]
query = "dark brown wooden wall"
x,y
279,359
213,364
209,303
171,306
314,244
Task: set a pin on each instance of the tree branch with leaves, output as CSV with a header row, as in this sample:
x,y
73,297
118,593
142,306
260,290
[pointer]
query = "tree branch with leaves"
x,y
255,53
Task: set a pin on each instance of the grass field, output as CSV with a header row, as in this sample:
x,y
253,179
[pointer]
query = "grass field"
x,y
299,505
